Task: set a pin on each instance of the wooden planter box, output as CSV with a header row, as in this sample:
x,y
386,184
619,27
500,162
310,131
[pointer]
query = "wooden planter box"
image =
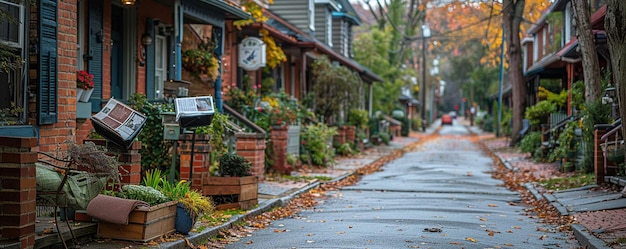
x,y
144,224
232,192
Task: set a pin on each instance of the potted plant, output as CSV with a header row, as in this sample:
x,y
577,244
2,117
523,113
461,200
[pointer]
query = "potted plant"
x,y
84,85
190,202
233,186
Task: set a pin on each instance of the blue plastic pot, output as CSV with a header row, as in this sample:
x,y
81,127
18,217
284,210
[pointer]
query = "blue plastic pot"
x,y
184,221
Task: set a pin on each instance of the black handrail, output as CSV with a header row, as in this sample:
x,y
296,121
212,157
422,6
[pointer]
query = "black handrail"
x,y
243,120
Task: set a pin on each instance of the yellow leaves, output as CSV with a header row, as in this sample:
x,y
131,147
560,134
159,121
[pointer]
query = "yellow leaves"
x,y
470,239
274,54
256,14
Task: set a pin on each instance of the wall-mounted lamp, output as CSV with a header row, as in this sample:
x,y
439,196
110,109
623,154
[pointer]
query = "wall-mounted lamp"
x,y
146,40
128,2
609,91
609,97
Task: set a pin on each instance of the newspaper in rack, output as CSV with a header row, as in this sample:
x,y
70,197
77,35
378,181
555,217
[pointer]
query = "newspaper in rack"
x,y
121,119
194,106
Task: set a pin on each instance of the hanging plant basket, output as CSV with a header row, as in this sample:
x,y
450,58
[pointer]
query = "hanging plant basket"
x,y
201,61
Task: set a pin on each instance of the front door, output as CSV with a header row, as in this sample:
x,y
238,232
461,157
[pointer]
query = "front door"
x,y
117,49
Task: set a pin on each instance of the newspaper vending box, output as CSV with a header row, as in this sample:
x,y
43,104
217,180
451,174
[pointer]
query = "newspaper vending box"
x,y
118,123
194,111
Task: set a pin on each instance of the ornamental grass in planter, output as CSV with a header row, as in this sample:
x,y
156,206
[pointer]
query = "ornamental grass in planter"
x,y
190,202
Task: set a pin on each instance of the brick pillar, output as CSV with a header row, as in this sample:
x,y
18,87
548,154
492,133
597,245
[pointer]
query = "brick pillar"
x,y
279,136
351,134
201,158
598,157
340,137
252,147
129,160
18,188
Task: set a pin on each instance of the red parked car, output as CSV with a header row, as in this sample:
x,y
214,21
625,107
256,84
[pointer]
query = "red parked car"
x,y
446,119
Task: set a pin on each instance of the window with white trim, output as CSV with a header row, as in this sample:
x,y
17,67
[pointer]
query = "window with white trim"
x,y
12,76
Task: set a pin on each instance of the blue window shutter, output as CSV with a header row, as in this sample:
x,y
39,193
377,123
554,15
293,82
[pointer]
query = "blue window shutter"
x,y
47,102
96,42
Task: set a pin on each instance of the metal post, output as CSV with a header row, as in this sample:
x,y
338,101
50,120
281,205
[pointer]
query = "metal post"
x,y
423,88
500,87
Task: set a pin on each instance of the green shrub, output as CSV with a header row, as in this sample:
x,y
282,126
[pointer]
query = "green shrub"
x,y
345,149
531,142
416,123
488,123
154,150
232,164
292,159
593,113
386,137
566,142
358,118
540,112
314,144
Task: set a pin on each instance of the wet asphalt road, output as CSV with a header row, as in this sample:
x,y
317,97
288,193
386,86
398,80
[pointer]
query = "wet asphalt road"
x,y
439,196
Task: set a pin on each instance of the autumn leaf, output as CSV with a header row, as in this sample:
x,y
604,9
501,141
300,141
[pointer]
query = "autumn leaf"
x,y
470,239
492,205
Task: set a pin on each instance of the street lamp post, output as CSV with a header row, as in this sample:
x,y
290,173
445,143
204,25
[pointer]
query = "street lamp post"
x,y
425,34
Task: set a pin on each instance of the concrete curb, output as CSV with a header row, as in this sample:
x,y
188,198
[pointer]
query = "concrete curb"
x,y
586,239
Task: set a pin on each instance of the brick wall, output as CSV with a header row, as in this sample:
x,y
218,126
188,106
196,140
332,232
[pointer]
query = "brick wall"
x,y
201,158
53,137
18,189
252,147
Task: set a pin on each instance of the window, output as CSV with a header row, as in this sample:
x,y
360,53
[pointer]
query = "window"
x,y
329,28
11,28
12,93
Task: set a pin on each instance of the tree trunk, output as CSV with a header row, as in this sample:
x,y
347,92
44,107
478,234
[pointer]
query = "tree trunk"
x,y
512,15
615,26
591,66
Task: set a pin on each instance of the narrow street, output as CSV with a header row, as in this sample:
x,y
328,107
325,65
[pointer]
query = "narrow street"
x,y
440,195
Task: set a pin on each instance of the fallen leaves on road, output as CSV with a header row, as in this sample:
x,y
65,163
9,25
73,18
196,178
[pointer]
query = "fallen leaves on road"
x,y
515,180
